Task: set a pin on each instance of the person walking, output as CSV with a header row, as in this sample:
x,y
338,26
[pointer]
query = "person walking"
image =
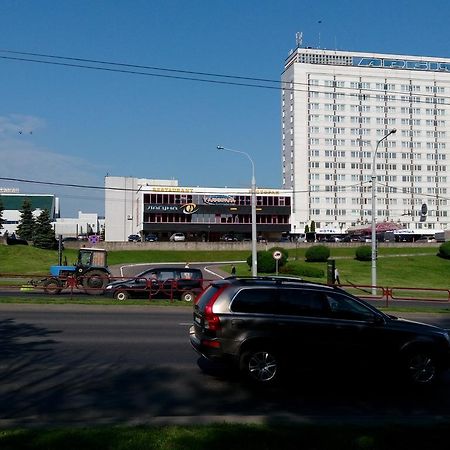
x,y
233,270
336,276
186,266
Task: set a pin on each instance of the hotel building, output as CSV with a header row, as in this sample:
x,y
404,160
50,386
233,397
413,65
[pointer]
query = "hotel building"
x,y
336,107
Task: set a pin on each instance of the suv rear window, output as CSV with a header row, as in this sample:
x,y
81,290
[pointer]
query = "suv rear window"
x,y
256,301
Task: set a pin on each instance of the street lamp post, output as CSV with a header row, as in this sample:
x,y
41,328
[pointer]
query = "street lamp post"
x,y
374,220
253,189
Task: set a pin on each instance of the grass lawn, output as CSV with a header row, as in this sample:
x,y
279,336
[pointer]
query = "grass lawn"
x,y
226,437
415,267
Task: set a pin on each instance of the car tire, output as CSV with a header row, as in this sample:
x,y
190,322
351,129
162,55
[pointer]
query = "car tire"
x,y
260,366
187,296
121,295
420,366
52,286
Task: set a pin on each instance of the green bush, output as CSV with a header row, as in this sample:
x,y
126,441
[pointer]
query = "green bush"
x,y
265,261
363,253
444,250
317,253
302,270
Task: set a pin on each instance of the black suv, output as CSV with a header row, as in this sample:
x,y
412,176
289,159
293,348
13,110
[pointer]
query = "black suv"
x,y
269,325
159,282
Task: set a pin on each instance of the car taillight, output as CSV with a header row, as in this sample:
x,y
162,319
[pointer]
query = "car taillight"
x,y
212,320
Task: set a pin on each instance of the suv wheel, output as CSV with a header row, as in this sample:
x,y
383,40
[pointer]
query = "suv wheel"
x,y
420,367
260,366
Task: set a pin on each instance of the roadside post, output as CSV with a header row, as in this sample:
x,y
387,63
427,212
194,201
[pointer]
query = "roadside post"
x,y
277,256
331,266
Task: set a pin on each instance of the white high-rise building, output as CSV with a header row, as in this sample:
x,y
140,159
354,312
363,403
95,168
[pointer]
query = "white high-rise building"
x,y
336,107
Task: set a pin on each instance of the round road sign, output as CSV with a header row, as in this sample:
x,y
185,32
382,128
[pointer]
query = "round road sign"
x,y
277,254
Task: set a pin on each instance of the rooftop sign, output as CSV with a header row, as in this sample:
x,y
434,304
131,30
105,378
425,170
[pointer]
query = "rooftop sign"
x,y
388,63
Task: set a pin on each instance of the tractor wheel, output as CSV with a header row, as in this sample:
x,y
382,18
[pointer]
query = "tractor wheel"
x,y
95,281
52,286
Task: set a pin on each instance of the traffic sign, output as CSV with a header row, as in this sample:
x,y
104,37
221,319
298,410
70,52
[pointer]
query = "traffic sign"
x,y
93,238
277,254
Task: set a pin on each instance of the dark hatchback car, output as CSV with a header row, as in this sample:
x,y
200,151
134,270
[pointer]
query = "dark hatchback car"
x,y
270,326
160,282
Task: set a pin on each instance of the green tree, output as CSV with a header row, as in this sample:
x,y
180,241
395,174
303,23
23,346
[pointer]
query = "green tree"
x,y
306,228
25,228
313,226
44,234
1,214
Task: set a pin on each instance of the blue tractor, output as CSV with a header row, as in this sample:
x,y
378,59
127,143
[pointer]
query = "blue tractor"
x,y
90,273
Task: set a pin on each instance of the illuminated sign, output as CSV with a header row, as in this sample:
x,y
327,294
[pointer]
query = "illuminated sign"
x,y
161,208
387,63
9,190
219,200
172,189
189,208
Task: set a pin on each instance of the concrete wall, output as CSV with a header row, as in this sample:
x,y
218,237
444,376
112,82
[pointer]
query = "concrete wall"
x,y
212,246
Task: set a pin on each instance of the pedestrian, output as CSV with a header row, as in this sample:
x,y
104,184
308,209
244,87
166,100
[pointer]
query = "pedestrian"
x,y
336,276
233,270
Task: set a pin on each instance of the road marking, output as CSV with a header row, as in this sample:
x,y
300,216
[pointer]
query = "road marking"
x,y
185,323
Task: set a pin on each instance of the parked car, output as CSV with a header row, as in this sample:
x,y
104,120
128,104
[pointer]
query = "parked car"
x,y
229,238
177,237
134,238
151,238
269,325
159,282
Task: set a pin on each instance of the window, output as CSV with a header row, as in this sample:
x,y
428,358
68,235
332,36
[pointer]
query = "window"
x,y
302,302
255,301
342,307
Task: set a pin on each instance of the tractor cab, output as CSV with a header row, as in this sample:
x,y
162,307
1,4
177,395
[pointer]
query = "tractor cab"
x,y
91,258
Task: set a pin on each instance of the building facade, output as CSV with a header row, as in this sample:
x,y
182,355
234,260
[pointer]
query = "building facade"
x,y
13,202
336,107
83,225
161,207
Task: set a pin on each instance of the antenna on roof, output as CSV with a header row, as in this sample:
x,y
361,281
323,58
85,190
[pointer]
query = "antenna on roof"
x,y
299,38
319,23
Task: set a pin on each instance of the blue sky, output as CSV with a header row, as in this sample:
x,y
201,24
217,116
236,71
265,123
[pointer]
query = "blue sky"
x,y
85,124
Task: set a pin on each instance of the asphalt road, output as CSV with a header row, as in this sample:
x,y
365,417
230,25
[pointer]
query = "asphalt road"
x,y
84,365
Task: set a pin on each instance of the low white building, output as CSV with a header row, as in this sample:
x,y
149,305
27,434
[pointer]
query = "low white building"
x,y
85,223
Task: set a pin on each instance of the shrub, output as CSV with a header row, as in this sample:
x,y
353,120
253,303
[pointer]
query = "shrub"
x,y
265,261
317,253
444,250
302,270
363,253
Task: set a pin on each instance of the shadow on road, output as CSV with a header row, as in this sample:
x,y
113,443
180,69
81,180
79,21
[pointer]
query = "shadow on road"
x,y
43,384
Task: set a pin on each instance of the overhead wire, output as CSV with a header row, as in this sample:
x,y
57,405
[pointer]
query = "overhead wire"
x,y
99,65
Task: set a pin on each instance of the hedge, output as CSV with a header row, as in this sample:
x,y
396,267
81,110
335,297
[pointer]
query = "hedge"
x,y
317,253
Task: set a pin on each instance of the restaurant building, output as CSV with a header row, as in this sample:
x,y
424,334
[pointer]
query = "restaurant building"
x,y
162,207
